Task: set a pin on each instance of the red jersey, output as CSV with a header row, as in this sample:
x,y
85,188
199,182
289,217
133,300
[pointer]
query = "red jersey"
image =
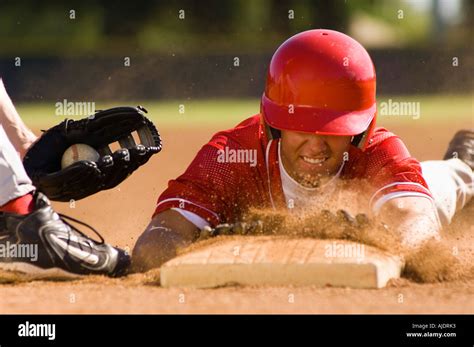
x,y
238,169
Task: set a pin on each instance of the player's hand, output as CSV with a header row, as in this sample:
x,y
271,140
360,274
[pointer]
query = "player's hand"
x,y
324,224
83,178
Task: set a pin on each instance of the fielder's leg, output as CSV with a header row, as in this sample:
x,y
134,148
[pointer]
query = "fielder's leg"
x,y
36,242
14,182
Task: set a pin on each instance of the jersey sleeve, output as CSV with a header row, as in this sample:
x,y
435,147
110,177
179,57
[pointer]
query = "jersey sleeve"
x,y
392,171
208,186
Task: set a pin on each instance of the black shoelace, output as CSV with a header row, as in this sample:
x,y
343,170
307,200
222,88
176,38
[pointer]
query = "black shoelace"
x,y
65,218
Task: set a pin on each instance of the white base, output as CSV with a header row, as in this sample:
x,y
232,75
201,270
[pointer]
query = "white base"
x,y
277,261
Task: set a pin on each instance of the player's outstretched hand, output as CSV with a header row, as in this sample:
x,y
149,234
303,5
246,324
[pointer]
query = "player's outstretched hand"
x,y
323,224
86,177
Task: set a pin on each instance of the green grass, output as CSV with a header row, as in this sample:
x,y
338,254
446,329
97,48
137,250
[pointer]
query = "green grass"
x,y
196,113
228,112
433,108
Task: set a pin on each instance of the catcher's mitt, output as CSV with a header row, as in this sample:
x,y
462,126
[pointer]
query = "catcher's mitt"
x,y
83,178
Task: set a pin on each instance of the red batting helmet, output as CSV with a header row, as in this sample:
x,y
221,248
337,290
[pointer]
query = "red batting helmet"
x,y
323,82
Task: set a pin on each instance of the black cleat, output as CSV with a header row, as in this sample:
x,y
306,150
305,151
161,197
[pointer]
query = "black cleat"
x,y
462,147
41,244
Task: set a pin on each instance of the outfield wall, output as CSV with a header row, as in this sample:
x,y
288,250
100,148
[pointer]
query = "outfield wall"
x,y
206,76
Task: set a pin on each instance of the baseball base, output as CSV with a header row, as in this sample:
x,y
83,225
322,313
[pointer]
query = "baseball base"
x,y
278,261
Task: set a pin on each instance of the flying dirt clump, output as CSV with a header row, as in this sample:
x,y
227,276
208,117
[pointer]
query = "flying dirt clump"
x,y
434,261
324,225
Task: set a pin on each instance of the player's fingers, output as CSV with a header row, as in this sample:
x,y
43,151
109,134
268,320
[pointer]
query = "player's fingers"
x,y
346,217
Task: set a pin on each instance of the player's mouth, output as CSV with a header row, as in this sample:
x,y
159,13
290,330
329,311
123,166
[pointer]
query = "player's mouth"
x,y
314,160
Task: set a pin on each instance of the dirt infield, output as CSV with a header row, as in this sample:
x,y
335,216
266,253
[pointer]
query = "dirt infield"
x,y
122,214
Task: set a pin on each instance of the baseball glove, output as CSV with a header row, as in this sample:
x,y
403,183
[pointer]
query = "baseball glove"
x,y
83,178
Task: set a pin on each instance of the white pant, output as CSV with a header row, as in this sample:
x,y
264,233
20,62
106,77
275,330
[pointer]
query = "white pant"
x,y
451,184
14,182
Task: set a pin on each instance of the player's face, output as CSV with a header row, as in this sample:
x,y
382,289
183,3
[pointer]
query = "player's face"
x,y
310,159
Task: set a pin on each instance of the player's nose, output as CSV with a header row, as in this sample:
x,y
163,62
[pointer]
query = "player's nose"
x,y
316,143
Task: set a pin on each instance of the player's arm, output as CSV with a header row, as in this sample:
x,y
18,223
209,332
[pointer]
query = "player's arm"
x,y
413,218
19,134
401,198
167,231
201,196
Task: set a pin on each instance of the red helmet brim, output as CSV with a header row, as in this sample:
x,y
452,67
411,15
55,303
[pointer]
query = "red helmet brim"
x,y
319,121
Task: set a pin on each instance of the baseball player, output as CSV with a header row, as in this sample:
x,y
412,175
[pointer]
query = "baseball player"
x,y
35,240
317,126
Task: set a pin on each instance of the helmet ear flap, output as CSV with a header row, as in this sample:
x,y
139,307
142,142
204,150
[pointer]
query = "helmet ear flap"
x,y
270,132
275,133
359,140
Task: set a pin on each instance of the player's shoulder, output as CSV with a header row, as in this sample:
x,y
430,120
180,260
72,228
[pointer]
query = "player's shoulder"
x,y
246,134
379,135
384,144
382,137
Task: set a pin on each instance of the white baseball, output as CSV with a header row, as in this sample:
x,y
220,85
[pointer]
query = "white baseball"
x,y
77,152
